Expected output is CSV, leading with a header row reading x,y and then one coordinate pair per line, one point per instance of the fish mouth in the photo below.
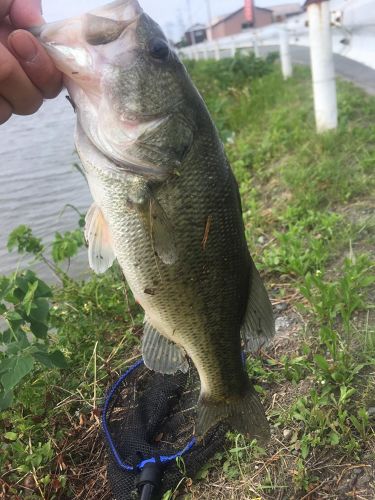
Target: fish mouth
x,y
70,42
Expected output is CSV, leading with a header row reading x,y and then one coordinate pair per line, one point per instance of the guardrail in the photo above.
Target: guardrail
x,y
345,27
352,28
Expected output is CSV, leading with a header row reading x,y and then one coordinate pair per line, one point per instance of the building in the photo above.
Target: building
x,y
236,22
281,12
195,34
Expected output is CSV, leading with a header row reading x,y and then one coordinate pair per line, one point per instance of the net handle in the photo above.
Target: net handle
x,y
111,444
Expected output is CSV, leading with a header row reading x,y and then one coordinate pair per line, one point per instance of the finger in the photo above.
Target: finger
x,y
36,63
16,87
5,6
26,13
5,31
6,110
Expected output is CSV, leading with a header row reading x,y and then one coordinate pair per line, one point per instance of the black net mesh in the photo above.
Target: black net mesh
x,y
151,416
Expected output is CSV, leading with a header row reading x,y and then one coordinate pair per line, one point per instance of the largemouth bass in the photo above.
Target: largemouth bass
x,y
166,206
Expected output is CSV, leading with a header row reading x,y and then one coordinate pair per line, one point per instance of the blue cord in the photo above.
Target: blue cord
x,y
112,447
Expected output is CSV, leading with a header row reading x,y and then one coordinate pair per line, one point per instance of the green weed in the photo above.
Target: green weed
x,y
294,186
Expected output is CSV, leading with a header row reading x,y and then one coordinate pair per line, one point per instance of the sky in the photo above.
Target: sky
x,y
172,15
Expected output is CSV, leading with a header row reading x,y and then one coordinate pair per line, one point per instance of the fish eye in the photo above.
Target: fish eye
x,y
159,48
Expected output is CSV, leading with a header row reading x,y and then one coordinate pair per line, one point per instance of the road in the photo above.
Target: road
x,y
359,74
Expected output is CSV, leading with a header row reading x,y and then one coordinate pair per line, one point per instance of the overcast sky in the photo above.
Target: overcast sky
x,y
172,15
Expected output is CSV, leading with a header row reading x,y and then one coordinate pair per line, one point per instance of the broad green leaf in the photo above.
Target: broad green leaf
x,y
28,300
54,359
6,336
5,365
40,330
305,448
23,281
12,436
40,310
58,359
16,347
14,316
6,399
321,362
19,367
43,358
334,438
5,287
22,237
14,319
43,290
354,420
65,247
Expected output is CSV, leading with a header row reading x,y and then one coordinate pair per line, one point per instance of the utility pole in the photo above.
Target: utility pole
x,y
192,34
180,23
209,16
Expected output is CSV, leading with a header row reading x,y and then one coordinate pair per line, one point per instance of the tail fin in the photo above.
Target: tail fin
x,y
245,415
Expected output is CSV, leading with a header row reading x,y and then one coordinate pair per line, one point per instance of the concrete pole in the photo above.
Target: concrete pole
x,y
191,22
256,46
322,67
286,61
209,18
217,51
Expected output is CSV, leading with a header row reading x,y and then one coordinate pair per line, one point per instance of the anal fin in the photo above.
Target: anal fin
x,y
100,251
258,326
160,354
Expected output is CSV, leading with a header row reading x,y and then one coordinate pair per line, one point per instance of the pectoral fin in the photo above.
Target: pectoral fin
x,y
162,233
258,326
159,227
160,354
101,255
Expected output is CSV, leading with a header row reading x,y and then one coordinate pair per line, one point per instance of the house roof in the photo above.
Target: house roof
x,y
286,9
196,27
228,16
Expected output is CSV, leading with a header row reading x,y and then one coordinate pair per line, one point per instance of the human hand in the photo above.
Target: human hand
x,y
27,73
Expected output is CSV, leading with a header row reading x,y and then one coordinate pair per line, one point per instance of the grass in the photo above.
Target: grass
x,y
308,218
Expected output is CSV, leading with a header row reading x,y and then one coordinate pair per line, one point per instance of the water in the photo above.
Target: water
x,y
37,179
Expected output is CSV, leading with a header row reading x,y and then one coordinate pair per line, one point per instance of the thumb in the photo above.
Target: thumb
x,y
26,13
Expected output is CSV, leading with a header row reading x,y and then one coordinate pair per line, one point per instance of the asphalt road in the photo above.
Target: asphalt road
x,y
359,74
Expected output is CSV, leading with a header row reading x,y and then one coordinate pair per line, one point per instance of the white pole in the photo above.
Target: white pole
x,y
192,33
286,61
209,17
256,46
323,71
217,51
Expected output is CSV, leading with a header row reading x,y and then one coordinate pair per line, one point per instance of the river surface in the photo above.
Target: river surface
x,y
38,179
